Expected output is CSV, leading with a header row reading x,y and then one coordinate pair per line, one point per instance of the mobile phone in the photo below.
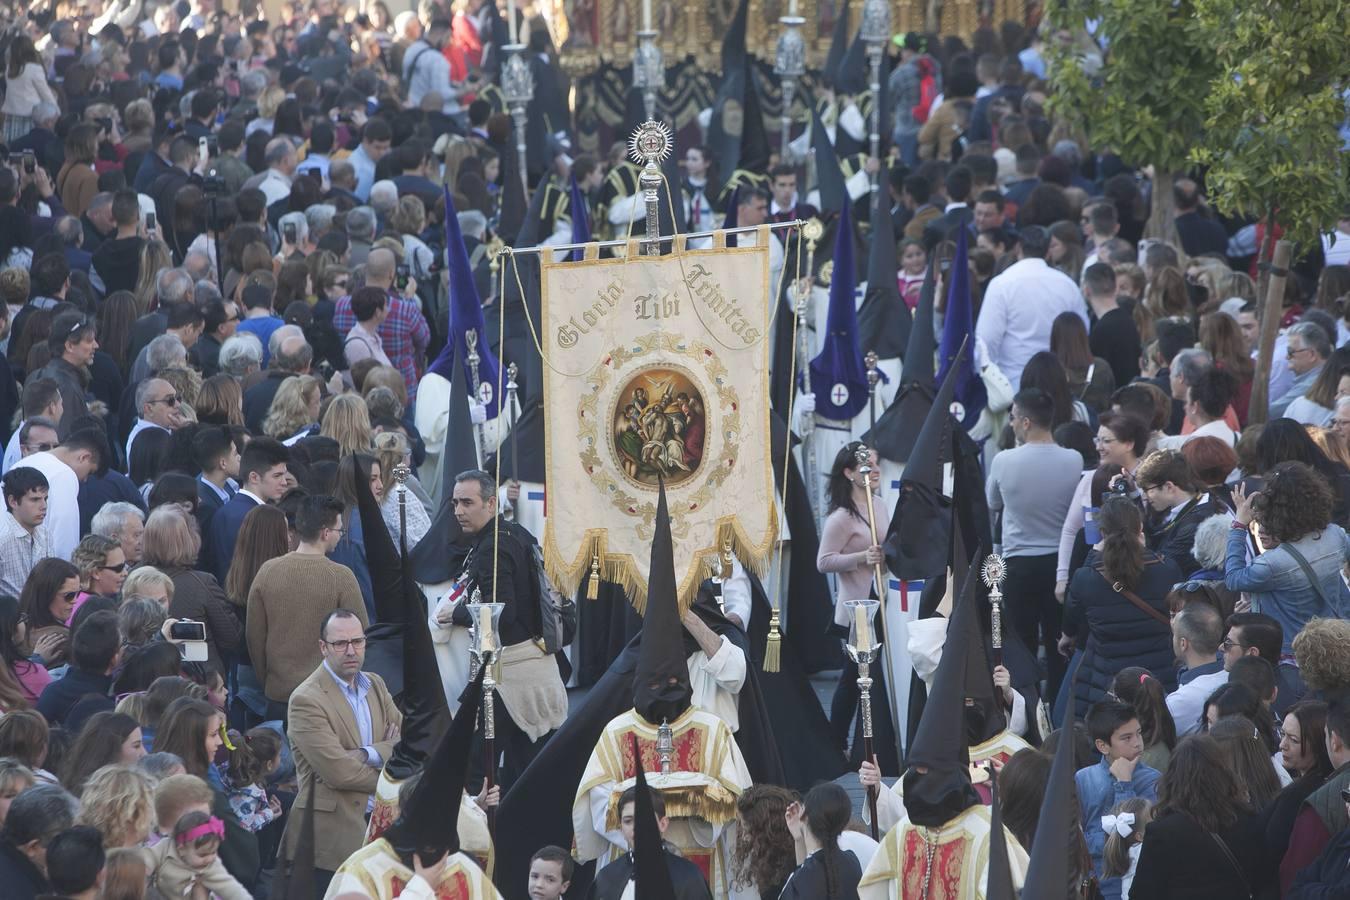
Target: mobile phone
x,y
288,232
187,630
149,221
29,162
401,278
203,148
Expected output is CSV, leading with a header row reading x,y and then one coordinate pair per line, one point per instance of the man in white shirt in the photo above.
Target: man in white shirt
x,y
1020,306
1197,632
41,400
81,454
1336,244
23,540
1207,400
281,160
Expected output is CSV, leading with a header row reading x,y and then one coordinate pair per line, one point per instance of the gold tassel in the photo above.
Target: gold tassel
x,y
593,583
726,560
773,649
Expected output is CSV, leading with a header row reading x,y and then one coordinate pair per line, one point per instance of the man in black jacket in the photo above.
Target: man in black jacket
x,y
35,817
95,650
611,881
1199,235
1177,506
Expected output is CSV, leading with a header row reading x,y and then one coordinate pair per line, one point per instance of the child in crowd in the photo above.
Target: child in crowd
x,y
1117,777
255,756
913,268
550,873
189,865
175,797
1124,826
15,778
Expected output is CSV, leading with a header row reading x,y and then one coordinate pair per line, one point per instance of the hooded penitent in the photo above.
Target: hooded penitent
x,y
838,376
1000,883
943,791
918,544
661,688
431,558
428,824
466,310
884,321
958,326
895,431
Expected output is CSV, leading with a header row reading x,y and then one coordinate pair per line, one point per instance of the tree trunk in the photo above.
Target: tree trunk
x,y
1259,408
1162,214
1263,257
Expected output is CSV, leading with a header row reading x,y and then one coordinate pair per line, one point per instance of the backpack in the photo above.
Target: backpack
x,y
558,614
928,91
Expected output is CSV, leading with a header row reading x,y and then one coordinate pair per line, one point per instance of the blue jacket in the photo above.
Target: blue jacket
x,y
218,547
1278,586
1098,794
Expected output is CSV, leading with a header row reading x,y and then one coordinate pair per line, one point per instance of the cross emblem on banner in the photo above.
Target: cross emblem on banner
x,y
839,395
484,392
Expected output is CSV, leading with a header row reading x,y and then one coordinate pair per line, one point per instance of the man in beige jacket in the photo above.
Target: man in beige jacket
x,y
343,725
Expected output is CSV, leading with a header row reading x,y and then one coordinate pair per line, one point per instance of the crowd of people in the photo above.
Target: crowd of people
x,y
228,347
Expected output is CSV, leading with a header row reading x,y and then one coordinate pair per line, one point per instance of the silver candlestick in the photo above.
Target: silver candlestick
x,y
649,70
665,746
518,90
789,64
994,571
875,31
472,357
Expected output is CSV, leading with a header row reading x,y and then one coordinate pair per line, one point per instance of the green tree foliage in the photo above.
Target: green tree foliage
x,y
1146,101
1271,144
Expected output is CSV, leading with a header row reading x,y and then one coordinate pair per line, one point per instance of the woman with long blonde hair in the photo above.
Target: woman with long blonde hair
x,y
347,422
155,257
220,401
295,409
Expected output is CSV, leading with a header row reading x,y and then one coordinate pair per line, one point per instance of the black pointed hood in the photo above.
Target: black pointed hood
x,y
944,790
755,145
529,432
918,543
513,204
986,718
725,143
429,821
839,39
402,606
895,431
1000,883
430,558
651,877
1048,868
829,177
884,321
661,682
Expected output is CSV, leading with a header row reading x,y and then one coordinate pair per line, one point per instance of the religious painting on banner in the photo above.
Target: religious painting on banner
x,y
657,371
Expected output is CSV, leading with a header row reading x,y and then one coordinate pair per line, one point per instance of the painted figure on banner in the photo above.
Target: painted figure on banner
x,y
659,429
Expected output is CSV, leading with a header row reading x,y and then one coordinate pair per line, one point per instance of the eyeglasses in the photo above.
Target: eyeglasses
x,y
1228,644
344,646
340,531
1104,440
120,567
39,448
1291,352
171,400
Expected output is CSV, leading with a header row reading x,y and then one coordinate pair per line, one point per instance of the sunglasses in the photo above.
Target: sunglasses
x,y
120,567
39,448
69,596
171,400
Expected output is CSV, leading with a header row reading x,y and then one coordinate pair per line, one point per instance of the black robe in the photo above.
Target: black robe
x,y
684,876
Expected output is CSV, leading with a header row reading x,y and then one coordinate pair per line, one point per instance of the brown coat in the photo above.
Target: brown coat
x,y
922,217
77,183
332,783
940,132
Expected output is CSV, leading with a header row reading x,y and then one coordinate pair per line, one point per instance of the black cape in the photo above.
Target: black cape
x,y
613,878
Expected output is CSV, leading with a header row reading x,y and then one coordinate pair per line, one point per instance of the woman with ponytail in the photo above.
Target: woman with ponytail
x,y
824,872
1137,687
1117,606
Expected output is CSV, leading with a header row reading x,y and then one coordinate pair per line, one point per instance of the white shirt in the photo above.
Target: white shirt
x,y
1218,428
1019,309
63,501
1187,702
715,681
1336,248
141,425
275,186
1306,412
13,453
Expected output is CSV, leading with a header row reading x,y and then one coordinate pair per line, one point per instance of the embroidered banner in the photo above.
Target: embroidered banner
x,y
658,368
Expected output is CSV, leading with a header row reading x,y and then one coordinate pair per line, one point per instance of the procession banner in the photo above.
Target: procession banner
x,y
657,368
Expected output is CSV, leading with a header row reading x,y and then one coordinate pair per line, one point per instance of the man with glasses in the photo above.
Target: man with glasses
x,y
41,400
159,416
222,320
342,724
292,594
23,540
1175,507
1307,351
1257,634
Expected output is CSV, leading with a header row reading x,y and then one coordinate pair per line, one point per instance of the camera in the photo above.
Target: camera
x,y
325,369
288,232
29,162
149,221
213,183
1119,487
401,276
187,630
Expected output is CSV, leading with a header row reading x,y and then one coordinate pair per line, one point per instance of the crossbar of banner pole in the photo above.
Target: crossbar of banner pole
x,y
745,229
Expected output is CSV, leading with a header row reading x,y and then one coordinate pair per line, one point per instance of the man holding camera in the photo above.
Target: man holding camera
x,y
1176,506
404,332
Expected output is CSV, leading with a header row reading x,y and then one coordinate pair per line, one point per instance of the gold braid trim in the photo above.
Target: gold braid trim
x,y
712,803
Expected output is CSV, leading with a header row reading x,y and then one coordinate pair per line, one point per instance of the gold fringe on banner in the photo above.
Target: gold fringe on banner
x,y
711,802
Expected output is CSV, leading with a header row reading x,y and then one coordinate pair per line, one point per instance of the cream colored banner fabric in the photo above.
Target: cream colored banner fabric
x,y
657,368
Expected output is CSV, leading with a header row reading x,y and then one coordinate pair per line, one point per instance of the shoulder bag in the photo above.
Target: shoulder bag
x,y
1237,867
1134,598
